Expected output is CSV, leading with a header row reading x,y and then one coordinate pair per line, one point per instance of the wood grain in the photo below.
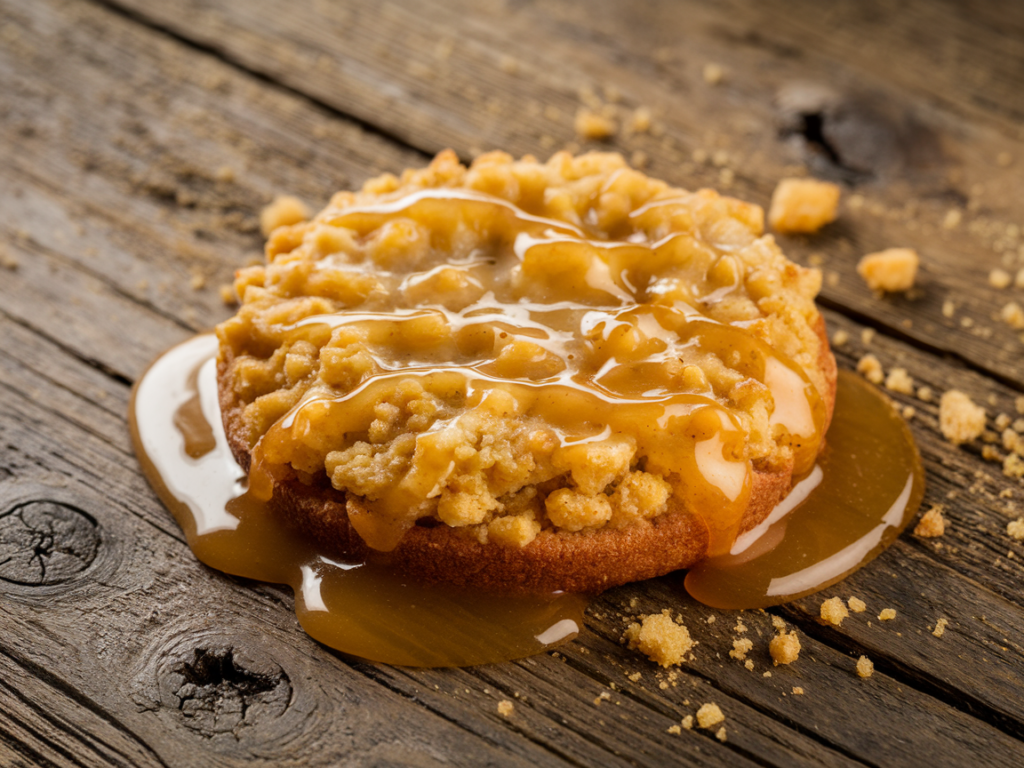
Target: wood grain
x,y
118,648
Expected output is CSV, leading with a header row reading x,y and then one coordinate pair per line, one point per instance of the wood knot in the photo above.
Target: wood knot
x,y
219,691
854,137
46,542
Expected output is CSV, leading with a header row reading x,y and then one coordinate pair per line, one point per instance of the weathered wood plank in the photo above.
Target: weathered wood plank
x,y
112,628
57,729
503,75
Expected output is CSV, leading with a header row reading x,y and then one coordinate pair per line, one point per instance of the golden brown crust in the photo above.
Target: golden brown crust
x,y
585,561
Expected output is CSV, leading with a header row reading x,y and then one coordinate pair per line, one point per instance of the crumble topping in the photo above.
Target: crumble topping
x,y
401,341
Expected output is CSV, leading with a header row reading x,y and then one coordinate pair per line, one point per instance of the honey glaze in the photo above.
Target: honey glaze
x,y
865,489
360,609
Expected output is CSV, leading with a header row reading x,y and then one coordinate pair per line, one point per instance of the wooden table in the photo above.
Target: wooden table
x,y
140,139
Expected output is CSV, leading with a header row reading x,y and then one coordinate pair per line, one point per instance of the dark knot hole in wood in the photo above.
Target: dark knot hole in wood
x,y
219,692
46,542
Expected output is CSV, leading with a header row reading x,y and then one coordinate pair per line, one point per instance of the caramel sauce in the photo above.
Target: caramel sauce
x,y
584,338
358,608
866,488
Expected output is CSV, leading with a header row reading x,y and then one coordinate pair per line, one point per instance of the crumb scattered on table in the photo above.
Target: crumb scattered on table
x,y
660,638
999,278
857,605
1012,315
594,126
505,708
940,627
887,614
865,667
283,211
899,381
959,418
713,73
871,369
833,611
740,648
892,270
931,524
784,648
709,715
803,205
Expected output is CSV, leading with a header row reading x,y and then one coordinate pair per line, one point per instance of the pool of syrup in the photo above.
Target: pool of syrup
x,y
864,490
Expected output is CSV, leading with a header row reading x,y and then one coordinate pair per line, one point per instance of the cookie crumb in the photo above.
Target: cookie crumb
x,y
887,614
740,648
594,126
749,664
840,338
784,648
798,691
709,715
999,278
767,674
1012,315
925,394
803,205
713,73
948,309
940,627
857,605
959,418
283,211
870,368
909,412
833,611
674,729
1016,529
635,677
931,524
865,667
720,734
7,259
660,639
892,270
228,295
1013,466
603,696
899,381
505,708
688,722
